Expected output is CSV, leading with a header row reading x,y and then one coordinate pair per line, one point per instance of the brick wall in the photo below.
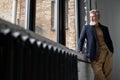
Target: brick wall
x,y
21,12
6,9
43,18
70,33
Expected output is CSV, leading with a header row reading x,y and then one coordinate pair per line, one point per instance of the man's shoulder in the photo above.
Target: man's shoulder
x,y
87,26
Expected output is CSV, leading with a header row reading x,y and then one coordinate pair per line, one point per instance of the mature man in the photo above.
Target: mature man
x,y
99,46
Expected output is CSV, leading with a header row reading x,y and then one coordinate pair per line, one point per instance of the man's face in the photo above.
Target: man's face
x,y
94,19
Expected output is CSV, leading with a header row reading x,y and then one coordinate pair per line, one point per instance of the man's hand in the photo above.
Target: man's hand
x,y
80,52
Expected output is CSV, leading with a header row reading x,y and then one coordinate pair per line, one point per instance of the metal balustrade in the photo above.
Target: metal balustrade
x,y
25,55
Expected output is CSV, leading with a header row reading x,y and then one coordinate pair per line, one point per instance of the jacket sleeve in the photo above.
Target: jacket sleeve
x,y
81,39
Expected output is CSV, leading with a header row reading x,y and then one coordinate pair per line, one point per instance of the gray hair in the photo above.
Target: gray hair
x,y
94,11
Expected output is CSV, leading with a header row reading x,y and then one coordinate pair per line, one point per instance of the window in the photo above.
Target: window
x,y
52,15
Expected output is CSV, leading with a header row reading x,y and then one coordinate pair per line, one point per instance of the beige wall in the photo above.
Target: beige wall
x,y
70,36
6,9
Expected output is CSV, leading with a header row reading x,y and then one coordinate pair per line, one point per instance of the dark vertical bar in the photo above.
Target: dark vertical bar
x,y
52,66
18,57
61,37
60,65
27,61
9,57
82,13
67,66
5,71
37,67
90,4
42,63
55,60
47,57
71,67
77,7
32,13
1,54
74,67
49,65
34,62
14,58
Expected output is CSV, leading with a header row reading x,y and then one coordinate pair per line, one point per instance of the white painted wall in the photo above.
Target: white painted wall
x,y
110,16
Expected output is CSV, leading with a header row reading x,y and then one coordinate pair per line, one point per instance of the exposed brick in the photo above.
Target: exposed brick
x,y
43,19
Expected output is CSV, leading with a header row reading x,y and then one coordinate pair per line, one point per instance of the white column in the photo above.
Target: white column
x,y
14,11
56,17
76,22
27,14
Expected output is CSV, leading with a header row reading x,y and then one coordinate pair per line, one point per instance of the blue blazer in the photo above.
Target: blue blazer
x,y
88,32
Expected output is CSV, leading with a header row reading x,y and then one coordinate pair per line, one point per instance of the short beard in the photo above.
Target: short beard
x,y
93,23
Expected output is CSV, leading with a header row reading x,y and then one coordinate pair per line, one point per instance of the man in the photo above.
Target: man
x,y
99,46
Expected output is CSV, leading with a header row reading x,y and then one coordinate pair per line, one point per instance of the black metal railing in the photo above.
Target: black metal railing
x,y
27,56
